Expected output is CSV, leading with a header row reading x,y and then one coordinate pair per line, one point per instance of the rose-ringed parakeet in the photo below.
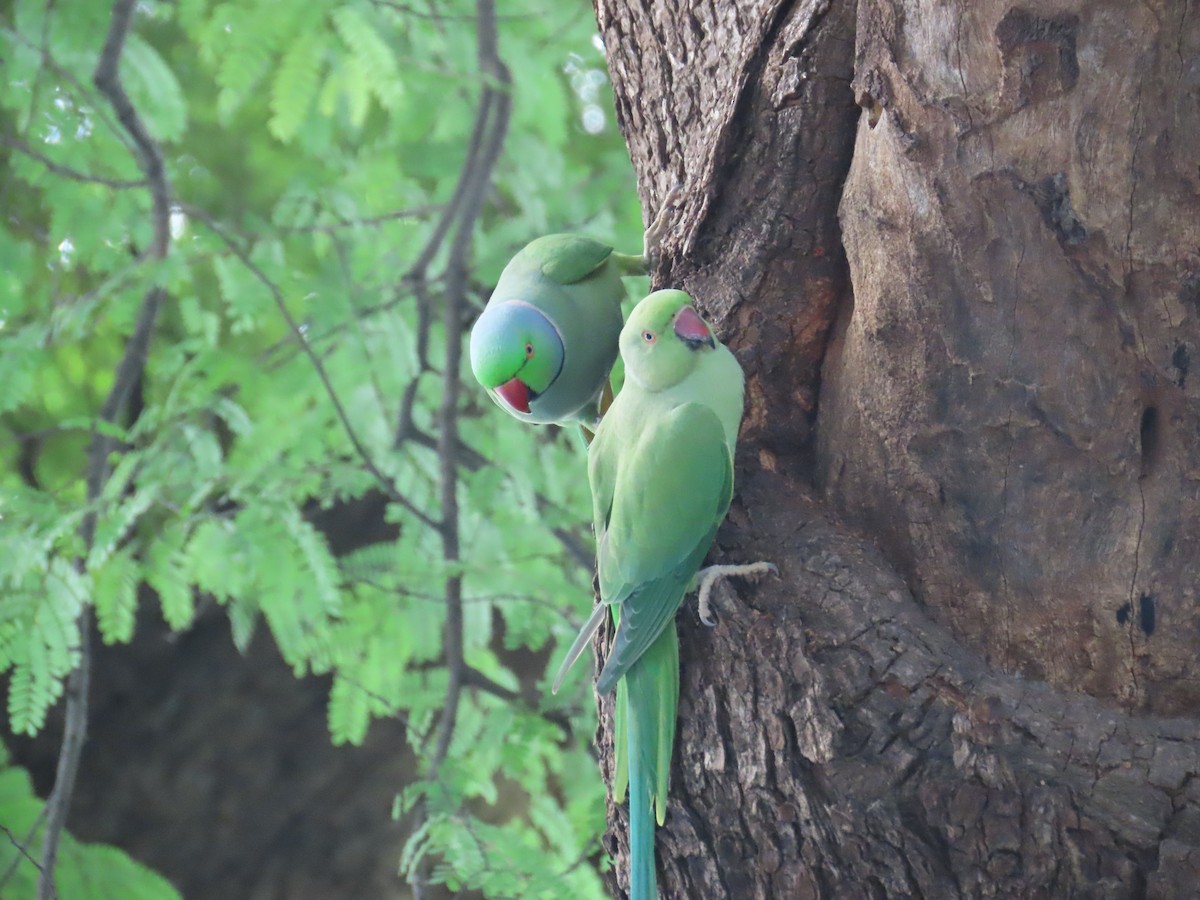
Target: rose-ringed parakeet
x,y
661,473
547,339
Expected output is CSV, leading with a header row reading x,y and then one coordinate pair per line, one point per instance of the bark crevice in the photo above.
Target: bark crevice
x,y
937,699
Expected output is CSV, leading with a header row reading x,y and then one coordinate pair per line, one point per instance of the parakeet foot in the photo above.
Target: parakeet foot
x,y
653,234
706,578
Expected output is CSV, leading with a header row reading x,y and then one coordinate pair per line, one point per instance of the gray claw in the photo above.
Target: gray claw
x,y
654,233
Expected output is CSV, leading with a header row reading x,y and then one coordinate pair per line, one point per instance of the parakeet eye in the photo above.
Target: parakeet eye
x,y
528,350
649,337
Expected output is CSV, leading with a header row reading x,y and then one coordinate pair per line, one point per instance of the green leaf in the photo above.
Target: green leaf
x,y
115,586
101,872
20,355
248,299
295,84
49,615
165,572
307,141
115,525
349,712
84,871
153,89
374,62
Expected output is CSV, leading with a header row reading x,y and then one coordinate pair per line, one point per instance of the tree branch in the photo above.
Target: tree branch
x,y
404,426
467,184
491,124
277,294
15,143
108,82
473,678
488,136
416,212
129,370
22,849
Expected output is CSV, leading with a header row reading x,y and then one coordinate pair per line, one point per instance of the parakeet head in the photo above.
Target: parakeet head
x,y
516,353
663,340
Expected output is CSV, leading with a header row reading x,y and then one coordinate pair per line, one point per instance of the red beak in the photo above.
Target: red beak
x,y
691,329
515,393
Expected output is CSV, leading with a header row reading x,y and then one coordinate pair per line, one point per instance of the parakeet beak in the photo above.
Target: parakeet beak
x,y
690,329
515,393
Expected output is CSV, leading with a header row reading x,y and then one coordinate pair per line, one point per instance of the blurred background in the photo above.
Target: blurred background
x,y
316,585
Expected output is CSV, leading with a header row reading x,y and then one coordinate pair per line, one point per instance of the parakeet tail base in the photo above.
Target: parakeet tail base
x,y
651,700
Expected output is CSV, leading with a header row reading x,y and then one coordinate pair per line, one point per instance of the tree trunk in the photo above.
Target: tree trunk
x,y
970,441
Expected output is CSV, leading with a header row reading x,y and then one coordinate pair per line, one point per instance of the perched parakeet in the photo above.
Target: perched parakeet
x,y
661,473
546,342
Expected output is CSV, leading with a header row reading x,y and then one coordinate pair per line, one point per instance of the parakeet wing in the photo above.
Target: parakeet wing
x,y
571,257
667,498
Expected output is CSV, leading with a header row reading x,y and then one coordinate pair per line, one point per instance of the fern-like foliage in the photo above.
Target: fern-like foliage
x,y
308,156
153,87
295,84
39,640
84,872
371,67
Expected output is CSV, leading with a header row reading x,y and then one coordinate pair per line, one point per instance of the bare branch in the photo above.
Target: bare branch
x,y
417,276
24,149
22,849
416,212
108,81
473,678
491,124
132,363
277,294
404,426
129,370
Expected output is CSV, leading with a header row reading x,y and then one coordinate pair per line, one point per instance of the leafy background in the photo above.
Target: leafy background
x,y
315,287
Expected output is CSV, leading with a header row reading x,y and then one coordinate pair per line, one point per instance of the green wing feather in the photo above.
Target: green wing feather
x,y
647,570
653,532
568,258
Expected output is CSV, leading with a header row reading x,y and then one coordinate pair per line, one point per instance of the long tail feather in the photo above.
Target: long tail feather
x,y
643,882
581,640
621,742
652,698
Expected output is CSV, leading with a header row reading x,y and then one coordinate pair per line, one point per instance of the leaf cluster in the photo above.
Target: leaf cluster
x,y
85,872
296,370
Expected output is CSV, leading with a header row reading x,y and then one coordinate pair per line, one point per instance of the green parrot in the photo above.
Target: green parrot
x,y
661,473
547,339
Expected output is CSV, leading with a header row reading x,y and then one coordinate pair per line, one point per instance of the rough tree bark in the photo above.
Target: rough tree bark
x,y
970,442
955,246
